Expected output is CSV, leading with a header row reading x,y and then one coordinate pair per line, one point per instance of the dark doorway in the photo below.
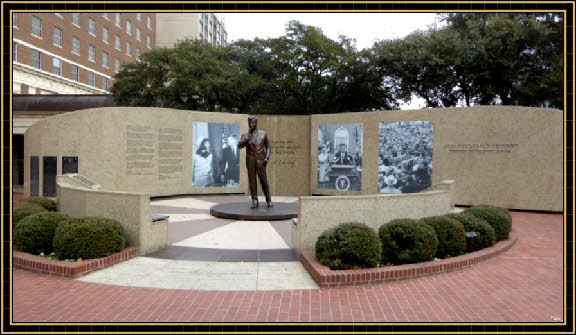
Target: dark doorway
x,y
18,160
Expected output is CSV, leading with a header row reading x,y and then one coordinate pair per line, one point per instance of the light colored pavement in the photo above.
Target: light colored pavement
x,y
233,237
194,275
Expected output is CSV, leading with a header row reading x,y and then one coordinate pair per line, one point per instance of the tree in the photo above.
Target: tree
x,y
515,58
477,58
302,72
423,63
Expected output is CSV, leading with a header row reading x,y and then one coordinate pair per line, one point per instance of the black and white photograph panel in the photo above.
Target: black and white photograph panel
x,y
216,159
340,156
405,156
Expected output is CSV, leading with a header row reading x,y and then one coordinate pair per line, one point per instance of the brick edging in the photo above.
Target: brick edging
x,y
325,277
29,262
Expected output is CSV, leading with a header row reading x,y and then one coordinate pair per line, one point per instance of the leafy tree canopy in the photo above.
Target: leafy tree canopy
x,y
476,58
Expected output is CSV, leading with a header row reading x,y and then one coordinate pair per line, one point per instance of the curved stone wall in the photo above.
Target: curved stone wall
x,y
502,155
318,214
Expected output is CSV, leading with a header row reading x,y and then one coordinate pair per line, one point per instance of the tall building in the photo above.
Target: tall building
x,y
173,27
76,53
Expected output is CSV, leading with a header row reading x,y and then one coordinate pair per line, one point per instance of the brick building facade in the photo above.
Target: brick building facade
x,y
76,53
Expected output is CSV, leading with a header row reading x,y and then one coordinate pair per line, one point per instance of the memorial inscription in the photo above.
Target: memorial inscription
x,y
170,153
285,152
140,150
481,147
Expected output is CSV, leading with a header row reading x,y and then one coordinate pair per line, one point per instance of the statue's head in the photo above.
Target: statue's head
x,y
252,122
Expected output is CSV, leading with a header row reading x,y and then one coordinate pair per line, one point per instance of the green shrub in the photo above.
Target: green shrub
x,y
349,245
407,241
47,204
497,217
88,237
485,235
451,235
35,233
22,209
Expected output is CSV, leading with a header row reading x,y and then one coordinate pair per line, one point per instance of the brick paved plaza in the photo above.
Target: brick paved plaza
x,y
523,285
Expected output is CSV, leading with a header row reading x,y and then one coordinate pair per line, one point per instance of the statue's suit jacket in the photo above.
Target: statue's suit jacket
x,y
256,147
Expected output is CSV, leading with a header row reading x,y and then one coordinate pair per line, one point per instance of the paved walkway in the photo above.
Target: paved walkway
x,y
523,285
208,253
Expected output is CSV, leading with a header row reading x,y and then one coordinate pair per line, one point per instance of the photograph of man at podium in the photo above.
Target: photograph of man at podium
x,y
340,156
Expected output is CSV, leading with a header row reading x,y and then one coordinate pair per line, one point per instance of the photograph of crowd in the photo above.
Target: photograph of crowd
x,y
405,156
340,156
216,159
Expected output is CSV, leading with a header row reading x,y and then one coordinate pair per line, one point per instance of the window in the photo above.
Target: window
x,y
57,36
91,78
36,59
128,27
91,53
76,19
148,41
117,42
75,73
14,51
139,16
138,53
59,15
105,35
116,65
57,66
75,45
128,49
106,16
105,60
15,20
91,27
105,83
36,27
148,22
138,33
118,20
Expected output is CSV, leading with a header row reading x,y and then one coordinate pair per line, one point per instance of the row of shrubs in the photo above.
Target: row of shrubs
x,y
46,232
404,241
22,208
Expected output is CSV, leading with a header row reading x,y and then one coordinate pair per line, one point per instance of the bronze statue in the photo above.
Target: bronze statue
x,y
257,155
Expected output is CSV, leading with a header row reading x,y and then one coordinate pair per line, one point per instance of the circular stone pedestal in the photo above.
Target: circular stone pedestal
x,y
242,211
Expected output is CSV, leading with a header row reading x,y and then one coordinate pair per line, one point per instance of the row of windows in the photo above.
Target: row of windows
x,y
36,61
91,22
57,34
57,40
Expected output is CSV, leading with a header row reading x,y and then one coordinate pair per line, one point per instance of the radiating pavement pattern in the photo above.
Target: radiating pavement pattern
x,y
523,285
207,253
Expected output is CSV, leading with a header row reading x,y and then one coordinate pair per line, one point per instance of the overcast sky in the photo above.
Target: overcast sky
x,y
366,28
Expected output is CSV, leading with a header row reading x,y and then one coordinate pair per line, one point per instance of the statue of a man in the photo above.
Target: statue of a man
x,y
257,155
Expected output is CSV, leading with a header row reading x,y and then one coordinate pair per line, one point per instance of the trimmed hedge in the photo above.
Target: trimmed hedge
x,y
407,241
47,204
451,235
22,209
35,233
485,235
497,217
88,237
348,246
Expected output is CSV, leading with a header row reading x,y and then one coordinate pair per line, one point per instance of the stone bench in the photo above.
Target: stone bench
x,y
156,217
